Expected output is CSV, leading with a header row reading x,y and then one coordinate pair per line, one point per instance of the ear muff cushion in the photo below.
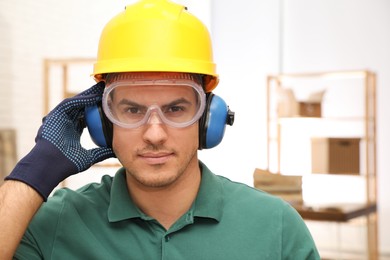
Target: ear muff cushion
x,y
202,122
98,126
213,123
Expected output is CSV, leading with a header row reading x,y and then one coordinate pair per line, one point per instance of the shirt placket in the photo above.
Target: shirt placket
x,y
168,240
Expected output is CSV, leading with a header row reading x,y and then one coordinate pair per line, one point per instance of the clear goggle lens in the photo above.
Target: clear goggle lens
x,y
131,104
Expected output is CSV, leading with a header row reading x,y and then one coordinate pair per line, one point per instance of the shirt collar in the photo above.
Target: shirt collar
x,y
121,205
208,202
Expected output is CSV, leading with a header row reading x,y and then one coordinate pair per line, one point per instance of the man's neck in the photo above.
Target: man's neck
x,y
166,204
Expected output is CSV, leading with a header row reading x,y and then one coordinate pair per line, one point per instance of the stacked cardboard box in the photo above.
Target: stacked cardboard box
x,y
286,187
336,155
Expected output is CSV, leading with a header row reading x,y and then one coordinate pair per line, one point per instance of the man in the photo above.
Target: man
x,y
155,78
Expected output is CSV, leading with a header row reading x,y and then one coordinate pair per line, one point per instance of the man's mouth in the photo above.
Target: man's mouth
x,y
154,158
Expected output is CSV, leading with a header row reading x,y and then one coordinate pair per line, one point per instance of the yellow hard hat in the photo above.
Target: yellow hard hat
x,y
156,35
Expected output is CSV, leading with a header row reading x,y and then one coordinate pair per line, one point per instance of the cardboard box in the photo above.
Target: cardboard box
x,y
286,187
309,109
289,106
336,155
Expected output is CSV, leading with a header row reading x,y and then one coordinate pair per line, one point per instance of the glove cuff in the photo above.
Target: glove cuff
x,y
42,169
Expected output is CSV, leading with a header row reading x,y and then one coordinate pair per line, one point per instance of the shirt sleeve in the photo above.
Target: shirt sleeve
x,y
297,240
37,241
28,249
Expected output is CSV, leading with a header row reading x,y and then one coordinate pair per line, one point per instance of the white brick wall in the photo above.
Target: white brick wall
x,y
31,31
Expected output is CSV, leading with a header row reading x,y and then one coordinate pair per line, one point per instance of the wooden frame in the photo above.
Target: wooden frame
x,y
64,65
8,155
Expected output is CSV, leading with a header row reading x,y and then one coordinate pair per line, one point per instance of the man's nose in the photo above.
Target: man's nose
x,y
155,131
154,118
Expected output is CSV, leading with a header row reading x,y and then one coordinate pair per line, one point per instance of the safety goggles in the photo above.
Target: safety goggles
x,y
133,102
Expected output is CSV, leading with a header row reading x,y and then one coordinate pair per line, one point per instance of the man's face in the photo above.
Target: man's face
x,y
155,154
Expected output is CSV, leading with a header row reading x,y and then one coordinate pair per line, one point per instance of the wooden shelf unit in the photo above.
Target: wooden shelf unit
x,y
275,125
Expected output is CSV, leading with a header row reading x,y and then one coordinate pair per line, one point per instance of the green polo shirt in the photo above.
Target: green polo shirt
x,y
228,220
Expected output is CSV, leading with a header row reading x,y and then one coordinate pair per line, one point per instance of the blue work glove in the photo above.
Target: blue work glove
x,y
58,153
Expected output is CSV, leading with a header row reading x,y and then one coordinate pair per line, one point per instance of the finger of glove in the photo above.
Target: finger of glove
x,y
67,142
87,98
63,126
72,106
71,111
95,89
84,159
100,154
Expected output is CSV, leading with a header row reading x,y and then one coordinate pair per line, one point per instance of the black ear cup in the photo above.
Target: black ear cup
x,y
99,127
213,122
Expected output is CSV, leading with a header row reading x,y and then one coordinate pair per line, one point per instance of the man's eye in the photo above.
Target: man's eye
x,y
133,110
176,109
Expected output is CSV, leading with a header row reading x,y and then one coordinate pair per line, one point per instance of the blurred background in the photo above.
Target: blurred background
x,y
252,39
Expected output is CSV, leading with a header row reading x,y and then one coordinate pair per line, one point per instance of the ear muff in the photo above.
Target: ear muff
x,y
213,122
99,127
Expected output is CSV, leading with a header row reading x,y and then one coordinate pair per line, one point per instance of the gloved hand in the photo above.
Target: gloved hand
x,y
58,153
